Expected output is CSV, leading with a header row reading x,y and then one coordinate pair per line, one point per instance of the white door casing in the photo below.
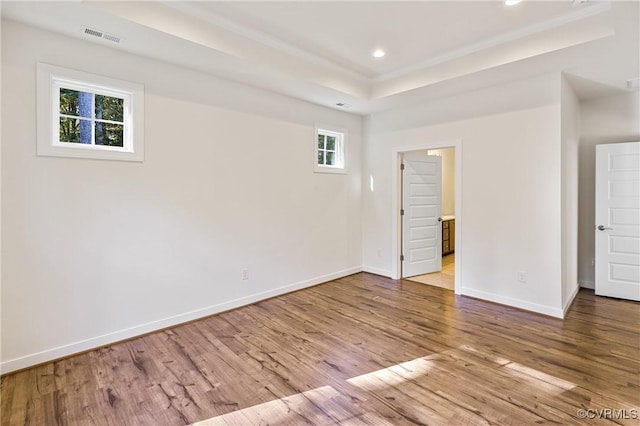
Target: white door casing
x,y
617,229
422,205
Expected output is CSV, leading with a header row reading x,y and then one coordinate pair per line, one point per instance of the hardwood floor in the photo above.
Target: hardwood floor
x,y
359,350
444,279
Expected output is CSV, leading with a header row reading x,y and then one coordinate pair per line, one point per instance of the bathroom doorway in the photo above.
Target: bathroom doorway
x,y
448,225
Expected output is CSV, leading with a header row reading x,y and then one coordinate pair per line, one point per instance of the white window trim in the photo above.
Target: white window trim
x,y
341,151
49,80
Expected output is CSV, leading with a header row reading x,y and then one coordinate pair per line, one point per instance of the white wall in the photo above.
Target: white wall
x,y
610,119
570,135
448,179
511,195
96,251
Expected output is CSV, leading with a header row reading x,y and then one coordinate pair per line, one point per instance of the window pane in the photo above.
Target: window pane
x,y
321,157
331,143
331,159
69,130
75,130
108,108
109,134
73,102
320,141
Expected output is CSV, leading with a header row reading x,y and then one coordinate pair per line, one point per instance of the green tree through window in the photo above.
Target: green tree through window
x,y
90,118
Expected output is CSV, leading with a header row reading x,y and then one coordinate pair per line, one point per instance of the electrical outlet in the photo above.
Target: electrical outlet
x,y
379,252
245,274
522,276
593,261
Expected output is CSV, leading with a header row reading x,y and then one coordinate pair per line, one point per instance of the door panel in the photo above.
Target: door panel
x,y
618,220
422,204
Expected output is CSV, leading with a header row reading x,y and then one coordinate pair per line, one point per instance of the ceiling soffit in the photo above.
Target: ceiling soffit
x,y
196,23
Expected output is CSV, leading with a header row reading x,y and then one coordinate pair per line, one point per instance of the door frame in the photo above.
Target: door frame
x,y
396,202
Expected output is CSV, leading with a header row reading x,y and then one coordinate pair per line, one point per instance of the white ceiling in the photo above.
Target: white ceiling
x,y
346,33
320,51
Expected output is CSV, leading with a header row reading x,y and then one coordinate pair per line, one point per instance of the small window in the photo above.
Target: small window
x,y
329,151
89,116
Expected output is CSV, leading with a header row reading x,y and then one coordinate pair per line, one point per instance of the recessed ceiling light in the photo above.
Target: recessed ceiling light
x,y
511,2
378,53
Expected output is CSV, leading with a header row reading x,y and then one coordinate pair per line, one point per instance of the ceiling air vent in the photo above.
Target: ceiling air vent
x,y
100,34
112,38
94,33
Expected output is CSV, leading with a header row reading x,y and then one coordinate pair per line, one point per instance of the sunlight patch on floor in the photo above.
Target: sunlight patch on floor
x,y
394,375
536,378
326,404
284,410
542,381
490,357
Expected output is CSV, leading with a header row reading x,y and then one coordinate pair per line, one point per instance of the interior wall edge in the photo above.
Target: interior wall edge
x,y
71,349
569,301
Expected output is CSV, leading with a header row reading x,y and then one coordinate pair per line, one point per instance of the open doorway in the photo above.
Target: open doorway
x,y
449,229
444,277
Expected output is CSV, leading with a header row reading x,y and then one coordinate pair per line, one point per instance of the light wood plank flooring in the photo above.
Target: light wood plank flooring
x,y
444,278
362,350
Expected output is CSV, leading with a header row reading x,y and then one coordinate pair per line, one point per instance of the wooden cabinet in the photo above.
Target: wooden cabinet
x,y
448,236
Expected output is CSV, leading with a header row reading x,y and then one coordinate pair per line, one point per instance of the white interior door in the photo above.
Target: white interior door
x,y
618,220
422,205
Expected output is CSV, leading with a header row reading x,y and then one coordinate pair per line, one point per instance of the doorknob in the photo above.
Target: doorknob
x,y
603,228
439,219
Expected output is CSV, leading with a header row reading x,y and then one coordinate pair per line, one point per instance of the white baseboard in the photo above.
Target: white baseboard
x,y
588,284
116,336
377,271
516,303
